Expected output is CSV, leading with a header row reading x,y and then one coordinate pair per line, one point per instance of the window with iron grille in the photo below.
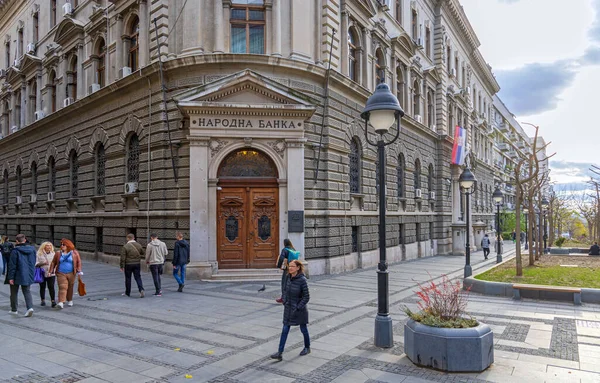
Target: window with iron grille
x,y
354,166
74,168
100,170
354,239
401,234
99,240
400,176
34,178
51,175
133,159
19,181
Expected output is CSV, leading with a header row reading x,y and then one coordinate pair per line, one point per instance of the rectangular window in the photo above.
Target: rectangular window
x,y
73,233
355,239
401,234
33,238
418,234
36,29
248,27
51,234
99,240
52,13
414,25
428,42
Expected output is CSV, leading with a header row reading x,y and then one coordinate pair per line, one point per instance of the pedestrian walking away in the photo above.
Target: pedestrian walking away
x,y
131,254
514,236
156,253
181,257
66,264
288,254
295,312
6,248
21,269
45,255
485,245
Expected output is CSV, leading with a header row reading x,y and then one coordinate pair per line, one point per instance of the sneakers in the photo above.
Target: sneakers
x,y
277,356
43,303
305,351
158,294
29,313
142,294
70,304
53,304
279,300
13,312
60,305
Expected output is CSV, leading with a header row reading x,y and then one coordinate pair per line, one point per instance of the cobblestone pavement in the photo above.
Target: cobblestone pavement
x,y
224,332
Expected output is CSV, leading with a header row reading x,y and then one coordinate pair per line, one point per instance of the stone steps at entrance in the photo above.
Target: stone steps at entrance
x,y
246,275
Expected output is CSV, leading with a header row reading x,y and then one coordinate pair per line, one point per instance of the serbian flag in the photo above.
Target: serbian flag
x,y
459,148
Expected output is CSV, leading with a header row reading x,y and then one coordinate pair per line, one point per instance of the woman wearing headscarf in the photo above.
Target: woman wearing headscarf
x,y
66,265
45,255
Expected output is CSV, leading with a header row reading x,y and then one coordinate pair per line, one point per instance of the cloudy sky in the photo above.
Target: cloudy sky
x,y
546,57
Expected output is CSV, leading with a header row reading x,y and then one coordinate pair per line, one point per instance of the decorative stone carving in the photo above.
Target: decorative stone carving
x,y
278,146
469,74
248,141
216,146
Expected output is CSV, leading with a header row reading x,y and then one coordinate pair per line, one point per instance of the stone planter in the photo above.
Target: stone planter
x,y
449,349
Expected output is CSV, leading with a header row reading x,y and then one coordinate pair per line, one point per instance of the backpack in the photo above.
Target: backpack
x,y
293,255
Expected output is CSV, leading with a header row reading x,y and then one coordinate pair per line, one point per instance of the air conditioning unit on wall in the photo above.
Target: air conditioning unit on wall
x,y
419,118
125,71
131,187
68,101
19,200
431,195
51,196
67,9
31,48
418,193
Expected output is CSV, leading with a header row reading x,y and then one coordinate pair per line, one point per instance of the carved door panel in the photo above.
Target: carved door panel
x,y
263,227
232,217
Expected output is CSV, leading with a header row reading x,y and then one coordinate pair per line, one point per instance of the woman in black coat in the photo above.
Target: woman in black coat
x,y
295,313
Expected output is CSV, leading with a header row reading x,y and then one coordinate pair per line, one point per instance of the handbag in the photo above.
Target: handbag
x,y
38,276
80,287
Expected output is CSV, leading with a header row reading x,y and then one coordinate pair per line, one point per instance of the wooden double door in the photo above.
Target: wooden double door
x,y
248,227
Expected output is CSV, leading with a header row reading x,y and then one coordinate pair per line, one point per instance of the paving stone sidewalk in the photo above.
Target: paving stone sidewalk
x,y
224,332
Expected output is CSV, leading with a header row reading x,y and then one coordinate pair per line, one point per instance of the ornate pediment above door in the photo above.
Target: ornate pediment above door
x,y
246,102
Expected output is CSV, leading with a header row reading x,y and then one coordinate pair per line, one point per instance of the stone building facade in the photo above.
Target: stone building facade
x,y
257,136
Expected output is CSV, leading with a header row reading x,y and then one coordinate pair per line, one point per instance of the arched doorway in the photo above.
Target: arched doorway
x,y
247,211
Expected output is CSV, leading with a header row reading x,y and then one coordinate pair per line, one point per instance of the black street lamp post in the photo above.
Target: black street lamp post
x,y
498,196
381,111
545,205
467,181
526,211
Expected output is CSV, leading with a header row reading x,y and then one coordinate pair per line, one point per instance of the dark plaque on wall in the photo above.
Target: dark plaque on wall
x,y
296,221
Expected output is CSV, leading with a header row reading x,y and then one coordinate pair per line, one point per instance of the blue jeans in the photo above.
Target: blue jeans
x,y
179,274
286,331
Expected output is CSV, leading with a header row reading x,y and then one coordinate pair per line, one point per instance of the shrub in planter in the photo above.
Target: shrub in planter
x,y
441,335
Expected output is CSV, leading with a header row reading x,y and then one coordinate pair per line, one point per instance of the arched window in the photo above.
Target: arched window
x,y
400,86
417,174
74,172
379,67
247,163
5,187
400,176
355,165
51,174
430,185
52,88
430,109
353,54
34,178
416,99
72,78
134,47
100,168
133,159
6,113
100,62
19,190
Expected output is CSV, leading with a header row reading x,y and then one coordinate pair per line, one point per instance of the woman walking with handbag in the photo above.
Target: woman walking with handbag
x,y
295,313
45,255
66,264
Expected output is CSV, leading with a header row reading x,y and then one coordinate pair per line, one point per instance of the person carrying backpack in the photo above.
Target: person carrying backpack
x,y
288,254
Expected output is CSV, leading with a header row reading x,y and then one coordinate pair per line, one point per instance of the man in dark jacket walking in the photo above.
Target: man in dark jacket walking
x,y
181,257
485,245
131,254
21,269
